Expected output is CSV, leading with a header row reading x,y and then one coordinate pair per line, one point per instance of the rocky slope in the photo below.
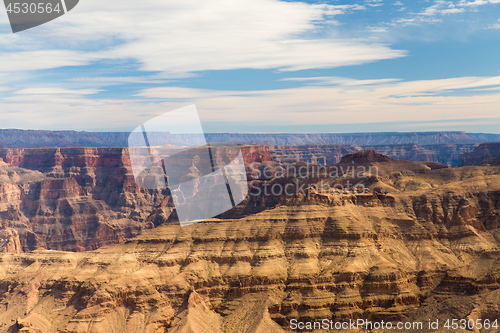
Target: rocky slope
x,y
314,154
78,199
73,199
441,147
360,139
419,242
485,153
13,138
447,154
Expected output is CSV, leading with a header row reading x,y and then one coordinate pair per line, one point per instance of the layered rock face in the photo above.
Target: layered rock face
x,y
487,153
315,154
13,138
418,242
74,199
79,199
441,147
447,154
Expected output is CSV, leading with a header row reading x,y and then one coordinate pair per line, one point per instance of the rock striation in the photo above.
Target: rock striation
x,y
328,148
485,153
14,138
74,199
447,154
421,241
79,199
314,154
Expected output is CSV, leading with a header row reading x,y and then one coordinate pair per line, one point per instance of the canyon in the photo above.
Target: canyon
x,y
485,153
327,148
414,241
78,199
447,154
15,138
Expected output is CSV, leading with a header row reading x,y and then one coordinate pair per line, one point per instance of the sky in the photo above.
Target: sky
x,y
258,66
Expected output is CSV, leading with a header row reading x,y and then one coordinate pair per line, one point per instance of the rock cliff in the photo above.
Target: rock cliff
x,y
420,241
14,138
327,148
74,199
79,199
485,153
447,154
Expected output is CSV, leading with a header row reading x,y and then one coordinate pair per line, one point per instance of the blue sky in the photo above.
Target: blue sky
x,y
258,66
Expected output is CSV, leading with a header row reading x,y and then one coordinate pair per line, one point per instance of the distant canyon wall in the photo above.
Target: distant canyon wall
x,y
486,153
447,154
442,147
13,138
424,247
79,199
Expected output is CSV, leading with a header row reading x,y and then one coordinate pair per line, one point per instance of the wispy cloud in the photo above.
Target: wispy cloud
x,y
176,40
327,100
475,3
442,7
340,81
435,13
495,26
374,3
42,59
55,91
114,80
181,37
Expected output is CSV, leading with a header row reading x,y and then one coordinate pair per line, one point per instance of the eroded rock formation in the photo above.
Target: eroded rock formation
x,y
421,241
486,153
79,199
447,154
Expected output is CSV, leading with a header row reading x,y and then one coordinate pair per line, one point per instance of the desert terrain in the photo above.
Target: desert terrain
x,y
86,250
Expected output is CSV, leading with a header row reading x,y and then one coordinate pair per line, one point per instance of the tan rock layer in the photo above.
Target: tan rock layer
x,y
373,258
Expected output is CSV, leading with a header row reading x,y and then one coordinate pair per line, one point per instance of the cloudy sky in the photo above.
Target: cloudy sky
x,y
258,66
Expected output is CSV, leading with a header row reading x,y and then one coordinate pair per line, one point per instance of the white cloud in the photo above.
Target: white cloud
x,y
415,21
5,89
188,93
55,91
477,3
329,100
36,60
347,101
452,11
495,26
340,81
442,7
435,12
377,29
374,3
180,36
115,80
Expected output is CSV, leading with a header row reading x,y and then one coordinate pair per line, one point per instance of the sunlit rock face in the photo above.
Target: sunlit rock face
x,y
78,199
421,241
486,153
75,199
447,154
